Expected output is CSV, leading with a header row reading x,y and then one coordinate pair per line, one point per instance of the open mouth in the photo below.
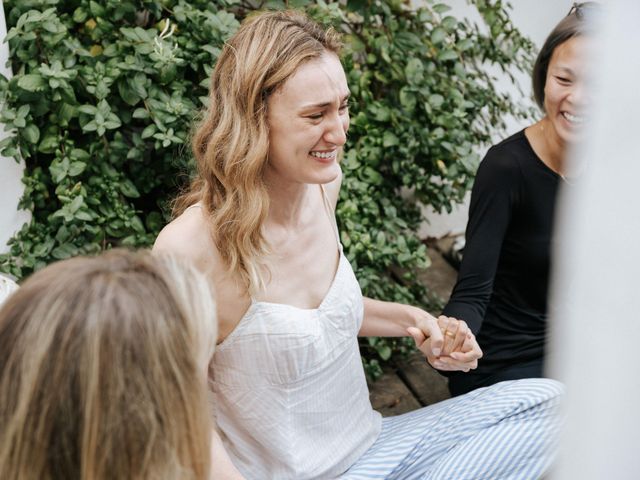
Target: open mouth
x,y
324,155
573,119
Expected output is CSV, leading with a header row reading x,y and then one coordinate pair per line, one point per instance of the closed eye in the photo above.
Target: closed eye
x,y
563,80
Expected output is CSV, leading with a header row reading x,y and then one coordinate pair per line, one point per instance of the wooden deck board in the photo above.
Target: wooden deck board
x,y
390,396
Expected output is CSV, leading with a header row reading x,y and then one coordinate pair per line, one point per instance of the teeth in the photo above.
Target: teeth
x,y
573,118
324,154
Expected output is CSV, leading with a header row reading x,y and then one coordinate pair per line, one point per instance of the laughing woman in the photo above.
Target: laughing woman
x,y
503,282
290,391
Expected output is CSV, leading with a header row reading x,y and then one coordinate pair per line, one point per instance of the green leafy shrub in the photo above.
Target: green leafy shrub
x,y
104,95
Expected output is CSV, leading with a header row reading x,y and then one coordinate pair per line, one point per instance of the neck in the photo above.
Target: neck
x,y
550,148
287,201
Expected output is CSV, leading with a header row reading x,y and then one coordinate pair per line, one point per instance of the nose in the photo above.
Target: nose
x,y
336,129
580,94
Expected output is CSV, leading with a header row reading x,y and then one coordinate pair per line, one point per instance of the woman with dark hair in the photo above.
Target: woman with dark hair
x,y
503,281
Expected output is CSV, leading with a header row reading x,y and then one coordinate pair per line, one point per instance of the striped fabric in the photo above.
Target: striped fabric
x,y
506,431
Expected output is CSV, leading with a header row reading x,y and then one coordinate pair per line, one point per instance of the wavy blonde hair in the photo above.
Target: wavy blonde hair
x,y
231,144
103,371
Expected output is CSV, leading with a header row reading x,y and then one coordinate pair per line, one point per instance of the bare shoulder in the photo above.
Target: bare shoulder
x,y
189,236
333,189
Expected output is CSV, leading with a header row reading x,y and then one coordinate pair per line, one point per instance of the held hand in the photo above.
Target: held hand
x,y
449,346
454,333
464,359
427,335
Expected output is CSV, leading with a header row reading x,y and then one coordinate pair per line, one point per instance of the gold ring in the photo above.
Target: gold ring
x,y
450,334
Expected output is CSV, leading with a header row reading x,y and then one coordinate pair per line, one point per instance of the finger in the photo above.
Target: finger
x,y
448,327
417,335
469,343
466,356
461,336
450,364
437,340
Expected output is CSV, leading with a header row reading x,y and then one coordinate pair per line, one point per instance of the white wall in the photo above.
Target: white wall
x,y
596,316
535,19
11,187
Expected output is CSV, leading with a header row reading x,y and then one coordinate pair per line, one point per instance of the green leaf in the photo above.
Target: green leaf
x,y
66,250
438,35
32,83
149,131
49,143
31,133
76,204
436,100
384,351
389,139
441,8
445,55
128,189
76,168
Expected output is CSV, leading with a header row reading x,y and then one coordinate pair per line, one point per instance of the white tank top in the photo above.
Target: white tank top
x,y
290,393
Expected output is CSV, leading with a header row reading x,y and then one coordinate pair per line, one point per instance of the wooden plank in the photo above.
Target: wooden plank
x,y
426,384
390,396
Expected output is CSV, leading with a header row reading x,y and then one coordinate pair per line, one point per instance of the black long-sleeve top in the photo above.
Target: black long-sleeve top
x,y
502,286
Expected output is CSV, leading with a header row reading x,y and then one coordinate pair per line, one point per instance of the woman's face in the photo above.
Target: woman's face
x,y
308,121
565,98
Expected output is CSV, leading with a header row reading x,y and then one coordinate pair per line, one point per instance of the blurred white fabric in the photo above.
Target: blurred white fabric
x,y
595,317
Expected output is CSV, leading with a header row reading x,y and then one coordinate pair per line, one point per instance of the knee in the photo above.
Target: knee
x,y
541,389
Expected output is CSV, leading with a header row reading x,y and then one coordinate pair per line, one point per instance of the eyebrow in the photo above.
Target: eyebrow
x,y
565,70
325,104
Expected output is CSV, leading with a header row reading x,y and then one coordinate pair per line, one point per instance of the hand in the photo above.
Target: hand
x,y
463,349
427,334
454,333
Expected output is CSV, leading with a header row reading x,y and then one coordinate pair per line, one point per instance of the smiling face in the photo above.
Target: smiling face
x,y
308,120
565,98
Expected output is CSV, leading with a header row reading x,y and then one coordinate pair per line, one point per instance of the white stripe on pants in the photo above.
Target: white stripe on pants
x,y
505,431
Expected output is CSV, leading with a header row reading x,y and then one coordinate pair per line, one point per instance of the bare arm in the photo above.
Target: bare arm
x,y
446,342
221,466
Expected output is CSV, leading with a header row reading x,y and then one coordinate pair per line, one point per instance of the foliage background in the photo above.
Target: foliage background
x,y
104,95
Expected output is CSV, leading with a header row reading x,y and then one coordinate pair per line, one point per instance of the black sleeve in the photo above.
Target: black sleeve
x,y
492,200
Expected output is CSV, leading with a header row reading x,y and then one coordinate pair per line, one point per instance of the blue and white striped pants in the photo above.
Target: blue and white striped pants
x,y
505,431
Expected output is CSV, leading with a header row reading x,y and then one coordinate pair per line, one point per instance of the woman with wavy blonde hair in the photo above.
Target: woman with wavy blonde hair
x,y
289,388
103,371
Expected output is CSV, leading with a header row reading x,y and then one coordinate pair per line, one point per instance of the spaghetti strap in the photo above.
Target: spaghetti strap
x,y
331,214
195,205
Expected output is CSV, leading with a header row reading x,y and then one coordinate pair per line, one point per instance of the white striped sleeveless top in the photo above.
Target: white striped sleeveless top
x,y
290,394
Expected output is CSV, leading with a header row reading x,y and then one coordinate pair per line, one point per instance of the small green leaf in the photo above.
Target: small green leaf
x,y
128,189
76,168
438,35
66,250
32,83
389,139
31,133
49,143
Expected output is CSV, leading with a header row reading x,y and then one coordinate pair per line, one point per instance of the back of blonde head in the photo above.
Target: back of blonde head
x,y
102,371
231,144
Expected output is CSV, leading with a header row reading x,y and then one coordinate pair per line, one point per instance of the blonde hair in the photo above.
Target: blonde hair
x,y
103,371
231,144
